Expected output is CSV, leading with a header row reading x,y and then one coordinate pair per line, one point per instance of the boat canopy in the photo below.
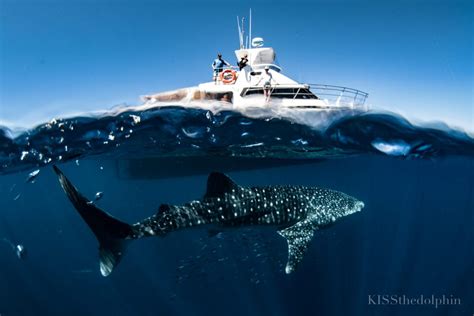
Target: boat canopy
x,y
259,57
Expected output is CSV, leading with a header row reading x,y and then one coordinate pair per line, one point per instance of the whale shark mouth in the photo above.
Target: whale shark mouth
x,y
357,208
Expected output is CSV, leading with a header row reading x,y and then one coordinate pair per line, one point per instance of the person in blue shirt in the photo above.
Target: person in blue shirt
x,y
218,66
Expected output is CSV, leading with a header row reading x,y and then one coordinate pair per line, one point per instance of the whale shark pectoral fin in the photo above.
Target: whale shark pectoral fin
x,y
218,184
298,237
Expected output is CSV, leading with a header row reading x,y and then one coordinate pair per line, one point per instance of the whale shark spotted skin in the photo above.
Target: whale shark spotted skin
x,y
294,211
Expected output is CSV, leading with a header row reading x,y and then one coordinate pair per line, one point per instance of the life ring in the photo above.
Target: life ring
x,y
228,76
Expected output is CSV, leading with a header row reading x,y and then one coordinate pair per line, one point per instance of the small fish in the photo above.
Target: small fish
x,y
98,196
32,176
20,251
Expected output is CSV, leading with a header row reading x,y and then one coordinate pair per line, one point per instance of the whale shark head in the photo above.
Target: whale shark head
x,y
352,205
333,205
325,208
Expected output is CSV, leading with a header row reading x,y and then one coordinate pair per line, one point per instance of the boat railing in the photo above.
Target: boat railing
x,y
254,67
339,94
336,95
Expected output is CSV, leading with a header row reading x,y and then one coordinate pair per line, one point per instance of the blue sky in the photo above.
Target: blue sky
x,y
56,57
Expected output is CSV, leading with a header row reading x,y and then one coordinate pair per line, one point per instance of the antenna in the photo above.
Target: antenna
x,y
250,26
241,37
243,31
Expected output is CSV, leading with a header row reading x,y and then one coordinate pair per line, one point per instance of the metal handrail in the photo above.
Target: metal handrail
x,y
343,96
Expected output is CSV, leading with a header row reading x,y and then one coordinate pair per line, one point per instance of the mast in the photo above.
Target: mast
x,y
250,28
241,36
243,32
245,41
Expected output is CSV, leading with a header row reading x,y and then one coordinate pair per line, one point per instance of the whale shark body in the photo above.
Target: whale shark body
x,y
294,211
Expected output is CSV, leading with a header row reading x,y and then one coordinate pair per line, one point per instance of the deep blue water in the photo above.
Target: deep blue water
x,y
414,237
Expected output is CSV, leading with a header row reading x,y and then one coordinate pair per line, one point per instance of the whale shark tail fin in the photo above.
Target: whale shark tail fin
x,y
112,234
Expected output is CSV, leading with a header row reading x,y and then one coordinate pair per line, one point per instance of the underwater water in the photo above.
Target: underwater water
x,y
414,236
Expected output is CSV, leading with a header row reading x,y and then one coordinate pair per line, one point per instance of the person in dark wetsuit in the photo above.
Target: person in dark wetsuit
x,y
243,62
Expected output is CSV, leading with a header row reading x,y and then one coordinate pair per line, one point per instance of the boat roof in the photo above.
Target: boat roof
x,y
259,57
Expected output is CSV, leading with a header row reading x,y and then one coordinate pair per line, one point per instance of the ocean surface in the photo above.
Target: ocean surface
x,y
409,252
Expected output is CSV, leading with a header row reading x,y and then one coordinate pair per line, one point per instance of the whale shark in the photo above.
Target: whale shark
x,y
295,212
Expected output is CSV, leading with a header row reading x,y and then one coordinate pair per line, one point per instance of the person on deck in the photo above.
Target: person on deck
x,y
267,78
218,66
243,62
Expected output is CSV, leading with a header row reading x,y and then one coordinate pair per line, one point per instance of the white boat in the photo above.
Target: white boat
x,y
240,89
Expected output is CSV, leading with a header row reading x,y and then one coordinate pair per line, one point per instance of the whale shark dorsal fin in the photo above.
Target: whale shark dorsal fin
x,y
218,184
298,237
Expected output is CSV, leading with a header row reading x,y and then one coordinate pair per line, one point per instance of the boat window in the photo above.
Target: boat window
x,y
305,94
284,93
252,91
